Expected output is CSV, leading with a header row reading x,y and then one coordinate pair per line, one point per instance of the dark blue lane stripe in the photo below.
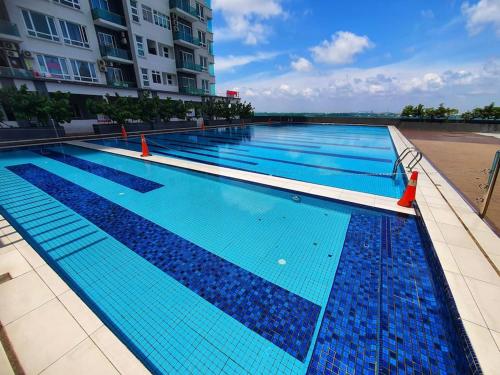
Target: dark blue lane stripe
x,y
382,160
342,145
198,153
123,178
280,316
176,143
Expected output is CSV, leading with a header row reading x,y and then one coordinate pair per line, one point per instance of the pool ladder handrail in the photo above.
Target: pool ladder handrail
x,y
417,156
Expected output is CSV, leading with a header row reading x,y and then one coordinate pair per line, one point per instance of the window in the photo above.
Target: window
x,y
53,66
145,77
151,47
147,13
114,75
74,34
203,39
134,10
205,85
187,58
99,4
161,19
169,79
40,25
83,71
200,11
106,40
166,52
156,76
204,63
71,3
140,45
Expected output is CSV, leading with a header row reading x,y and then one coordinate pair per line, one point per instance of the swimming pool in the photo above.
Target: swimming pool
x,y
202,274
359,158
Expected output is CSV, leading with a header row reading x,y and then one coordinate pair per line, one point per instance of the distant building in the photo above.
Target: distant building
x,y
96,47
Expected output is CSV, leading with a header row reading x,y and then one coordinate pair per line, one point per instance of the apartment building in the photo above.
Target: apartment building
x,y
96,47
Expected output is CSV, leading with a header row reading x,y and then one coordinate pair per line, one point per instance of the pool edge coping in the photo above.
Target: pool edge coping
x,y
448,218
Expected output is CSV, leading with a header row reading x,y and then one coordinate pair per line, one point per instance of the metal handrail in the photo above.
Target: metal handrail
x,y
417,156
492,179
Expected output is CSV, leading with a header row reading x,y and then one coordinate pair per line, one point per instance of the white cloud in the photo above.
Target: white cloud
x,y
427,13
383,88
302,65
246,19
229,63
481,15
342,49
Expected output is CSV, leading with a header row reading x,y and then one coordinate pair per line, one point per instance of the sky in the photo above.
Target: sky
x,y
358,55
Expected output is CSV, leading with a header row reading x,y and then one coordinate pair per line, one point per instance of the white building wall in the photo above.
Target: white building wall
x,y
36,45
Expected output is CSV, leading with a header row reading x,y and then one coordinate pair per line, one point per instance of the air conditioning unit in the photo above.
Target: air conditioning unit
x,y
9,45
102,65
27,54
12,53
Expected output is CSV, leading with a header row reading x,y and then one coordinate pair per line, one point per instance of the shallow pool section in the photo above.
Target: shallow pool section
x,y
201,274
359,158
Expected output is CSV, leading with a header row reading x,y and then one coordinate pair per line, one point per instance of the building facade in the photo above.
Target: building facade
x,y
92,48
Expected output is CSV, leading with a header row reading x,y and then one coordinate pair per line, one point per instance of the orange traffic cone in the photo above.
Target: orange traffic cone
x,y
124,132
145,149
409,194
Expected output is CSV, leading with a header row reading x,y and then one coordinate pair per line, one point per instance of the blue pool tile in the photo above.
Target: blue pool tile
x,y
123,178
284,318
386,313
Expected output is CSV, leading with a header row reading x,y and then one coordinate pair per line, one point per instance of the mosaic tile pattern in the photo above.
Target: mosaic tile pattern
x,y
385,314
123,178
284,318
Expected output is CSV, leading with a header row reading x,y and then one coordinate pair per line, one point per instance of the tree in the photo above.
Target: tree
x,y
180,109
148,108
119,109
246,110
407,111
166,109
60,108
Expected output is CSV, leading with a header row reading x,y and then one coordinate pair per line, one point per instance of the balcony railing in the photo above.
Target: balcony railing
x,y
9,28
185,6
178,35
211,49
192,91
189,65
115,52
108,16
123,84
6,71
211,70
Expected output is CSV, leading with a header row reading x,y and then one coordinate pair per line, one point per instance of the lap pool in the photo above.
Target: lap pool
x,y
203,274
359,158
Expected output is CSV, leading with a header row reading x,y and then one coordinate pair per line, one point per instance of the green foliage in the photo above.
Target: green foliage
x,y
31,105
148,108
180,109
431,113
166,109
223,108
119,109
489,112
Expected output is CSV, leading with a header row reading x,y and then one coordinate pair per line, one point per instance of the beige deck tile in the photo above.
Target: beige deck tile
x,y
13,263
5,366
455,235
84,359
42,336
472,263
445,257
487,297
117,353
52,279
84,315
496,337
445,215
30,254
21,295
464,300
7,249
485,347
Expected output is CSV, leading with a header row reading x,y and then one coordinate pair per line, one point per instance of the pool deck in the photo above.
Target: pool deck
x,y
39,308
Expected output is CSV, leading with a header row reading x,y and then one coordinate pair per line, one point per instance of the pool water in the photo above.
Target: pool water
x,y
359,158
202,274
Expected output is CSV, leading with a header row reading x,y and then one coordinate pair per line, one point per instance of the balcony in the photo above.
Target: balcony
x,y
105,18
211,49
211,70
192,91
121,84
116,54
184,9
189,66
8,72
186,40
9,31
